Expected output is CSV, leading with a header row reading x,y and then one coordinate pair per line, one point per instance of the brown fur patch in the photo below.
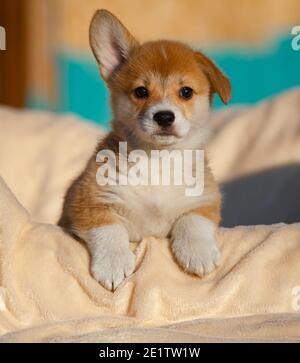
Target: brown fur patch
x,y
210,212
81,209
219,82
163,67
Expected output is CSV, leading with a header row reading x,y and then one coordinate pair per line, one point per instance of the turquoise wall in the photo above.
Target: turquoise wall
x,y
261,73
255,74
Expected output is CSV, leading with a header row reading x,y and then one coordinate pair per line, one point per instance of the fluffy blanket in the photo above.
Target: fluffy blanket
x,y
47,292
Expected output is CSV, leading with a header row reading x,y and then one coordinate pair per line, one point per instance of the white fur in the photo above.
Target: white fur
x,y
151,210
181,125
194,245
189,133
112,259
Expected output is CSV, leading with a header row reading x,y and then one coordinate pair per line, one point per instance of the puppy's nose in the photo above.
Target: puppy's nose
x,y
164,118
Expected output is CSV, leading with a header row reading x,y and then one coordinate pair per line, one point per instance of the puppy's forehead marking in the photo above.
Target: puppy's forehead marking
x,y
154,76
164,104
163,51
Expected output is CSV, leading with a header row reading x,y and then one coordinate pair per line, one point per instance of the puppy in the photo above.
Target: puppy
x,y
161,93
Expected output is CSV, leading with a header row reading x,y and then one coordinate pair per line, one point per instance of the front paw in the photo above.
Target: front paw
x,y
111,258
112,265
194,245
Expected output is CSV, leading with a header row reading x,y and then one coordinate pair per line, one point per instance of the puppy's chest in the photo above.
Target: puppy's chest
x,y
149,209
159,200
152,210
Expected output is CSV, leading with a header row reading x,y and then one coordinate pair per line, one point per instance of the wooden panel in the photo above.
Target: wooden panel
x,y
13,59
201,22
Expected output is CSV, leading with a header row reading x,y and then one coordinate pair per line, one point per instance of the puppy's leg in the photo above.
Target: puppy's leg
x,y
111,258
194,242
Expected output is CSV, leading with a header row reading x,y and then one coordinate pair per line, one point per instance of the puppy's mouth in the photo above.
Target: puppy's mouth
x,y
166,137
166,133
162,135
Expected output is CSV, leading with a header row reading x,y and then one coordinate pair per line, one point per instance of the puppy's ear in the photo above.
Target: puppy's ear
x,y
219,82
110,41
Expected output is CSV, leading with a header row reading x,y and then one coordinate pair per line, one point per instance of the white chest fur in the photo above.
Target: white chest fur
x,y
150,209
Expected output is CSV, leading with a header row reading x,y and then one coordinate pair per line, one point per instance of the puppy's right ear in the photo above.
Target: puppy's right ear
x,y
110,41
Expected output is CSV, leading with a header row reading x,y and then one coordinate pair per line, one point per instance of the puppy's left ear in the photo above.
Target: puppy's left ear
x,y
219,82
111,42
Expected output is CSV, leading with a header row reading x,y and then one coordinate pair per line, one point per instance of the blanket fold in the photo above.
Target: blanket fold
x,y
46,279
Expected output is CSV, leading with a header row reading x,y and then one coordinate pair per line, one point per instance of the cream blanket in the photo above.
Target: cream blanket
x,y
46,291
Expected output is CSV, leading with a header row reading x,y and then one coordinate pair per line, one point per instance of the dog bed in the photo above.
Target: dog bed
x,y
47,293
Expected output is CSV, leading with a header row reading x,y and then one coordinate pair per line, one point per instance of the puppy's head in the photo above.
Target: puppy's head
x,y
161,91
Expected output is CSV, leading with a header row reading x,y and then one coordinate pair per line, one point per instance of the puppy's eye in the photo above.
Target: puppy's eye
x,y
186,93
141,92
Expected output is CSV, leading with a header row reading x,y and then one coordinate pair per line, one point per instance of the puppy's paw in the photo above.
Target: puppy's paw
x,y
194,245
111,258
196,257
111,266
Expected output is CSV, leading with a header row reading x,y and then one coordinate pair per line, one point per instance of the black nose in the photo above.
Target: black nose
x,y
164,118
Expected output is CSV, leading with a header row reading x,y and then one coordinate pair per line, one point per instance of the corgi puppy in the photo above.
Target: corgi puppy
x,y
161,94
